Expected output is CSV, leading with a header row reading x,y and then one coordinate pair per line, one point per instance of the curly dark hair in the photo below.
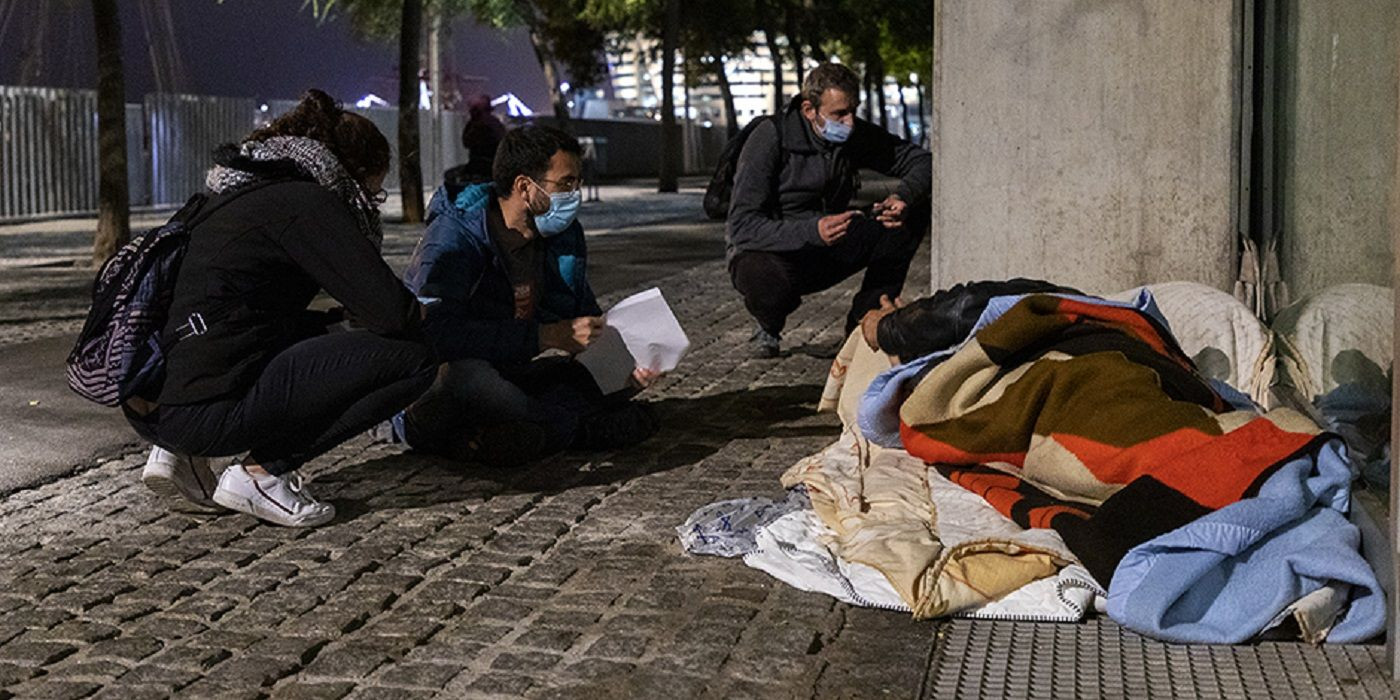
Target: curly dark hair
x,y
526,151
354,140
828,76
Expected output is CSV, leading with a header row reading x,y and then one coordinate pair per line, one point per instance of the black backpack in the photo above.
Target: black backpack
x,y
721,185
121,351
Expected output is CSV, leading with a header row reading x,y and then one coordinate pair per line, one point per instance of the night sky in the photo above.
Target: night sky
x,y
257,48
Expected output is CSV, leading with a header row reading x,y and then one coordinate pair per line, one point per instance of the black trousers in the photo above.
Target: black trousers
x,y
310,398
470,395
773,283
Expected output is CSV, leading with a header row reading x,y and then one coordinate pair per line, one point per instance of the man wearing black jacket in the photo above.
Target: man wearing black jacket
x,y
789,232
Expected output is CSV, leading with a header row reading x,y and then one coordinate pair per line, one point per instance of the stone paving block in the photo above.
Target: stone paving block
x,y
498,609
35,618
252,670
385,693
12,673
618,646
168,628
472,630
191,658
418,675
346,662
124,691
44,689
210,689
35,653
566,619
150,674
298,649
557,640
478,573
492,684
532,662
81,631
96,670
312,691
128,648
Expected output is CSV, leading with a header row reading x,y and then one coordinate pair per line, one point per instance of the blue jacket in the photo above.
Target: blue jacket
x,y
459,273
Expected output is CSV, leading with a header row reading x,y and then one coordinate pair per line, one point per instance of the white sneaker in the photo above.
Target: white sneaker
x,y
185,483
277,499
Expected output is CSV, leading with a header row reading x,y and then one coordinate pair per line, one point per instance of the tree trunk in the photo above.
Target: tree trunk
x,y
794,38
923,125
670,141
726,91
551,77
877,80
869,95
771,38
435,85
410,156
904,113
113,205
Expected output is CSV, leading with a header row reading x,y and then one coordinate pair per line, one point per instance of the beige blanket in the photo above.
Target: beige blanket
x,y
944,554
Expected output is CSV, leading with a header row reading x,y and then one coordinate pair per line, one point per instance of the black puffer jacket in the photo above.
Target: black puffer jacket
x,y
781,191
940,321
250,271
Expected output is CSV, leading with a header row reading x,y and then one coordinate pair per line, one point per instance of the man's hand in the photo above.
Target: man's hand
x,y
643,377
891,211
870,323
832,228
571,336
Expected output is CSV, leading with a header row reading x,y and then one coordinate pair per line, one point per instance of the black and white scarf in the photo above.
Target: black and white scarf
x,y
240,165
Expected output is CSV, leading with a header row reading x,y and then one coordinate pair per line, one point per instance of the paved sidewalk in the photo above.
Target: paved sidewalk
x,y
561,580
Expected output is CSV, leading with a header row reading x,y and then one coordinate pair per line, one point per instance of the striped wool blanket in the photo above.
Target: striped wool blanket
x,y
1089,419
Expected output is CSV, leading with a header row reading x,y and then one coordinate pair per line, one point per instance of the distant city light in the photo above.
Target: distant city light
x,y
514,107
371,100
263,107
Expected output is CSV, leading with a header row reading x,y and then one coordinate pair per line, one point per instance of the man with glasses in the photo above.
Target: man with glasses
x,y
502,272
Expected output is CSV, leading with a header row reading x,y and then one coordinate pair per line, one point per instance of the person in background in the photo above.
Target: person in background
x,y
502,270
789,232
293,212
481,136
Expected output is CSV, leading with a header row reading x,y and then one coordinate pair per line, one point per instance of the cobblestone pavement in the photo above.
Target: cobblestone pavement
x,y
560,580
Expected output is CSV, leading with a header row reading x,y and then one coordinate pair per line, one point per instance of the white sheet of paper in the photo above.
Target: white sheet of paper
x,y
641,332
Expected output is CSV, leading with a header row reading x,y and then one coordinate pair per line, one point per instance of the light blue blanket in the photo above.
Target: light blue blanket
x,y
1222,578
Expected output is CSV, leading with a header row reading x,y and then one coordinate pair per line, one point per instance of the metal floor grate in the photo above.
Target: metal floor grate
x,y
1099,659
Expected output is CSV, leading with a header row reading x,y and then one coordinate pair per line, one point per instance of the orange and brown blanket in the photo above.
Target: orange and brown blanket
x,y
1089,419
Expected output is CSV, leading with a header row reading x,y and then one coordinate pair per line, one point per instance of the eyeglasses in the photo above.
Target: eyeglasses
x,y
568,184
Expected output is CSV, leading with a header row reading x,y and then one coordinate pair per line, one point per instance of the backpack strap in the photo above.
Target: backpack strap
x,y
195,212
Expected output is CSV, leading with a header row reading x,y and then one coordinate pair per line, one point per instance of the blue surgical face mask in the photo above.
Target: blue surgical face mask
x,y
563,209
835,132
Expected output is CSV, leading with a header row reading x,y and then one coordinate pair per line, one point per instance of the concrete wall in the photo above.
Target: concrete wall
x,y
1339,142
1090,142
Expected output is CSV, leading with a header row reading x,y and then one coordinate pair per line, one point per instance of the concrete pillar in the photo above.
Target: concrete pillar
x,y
1092,143
1339,141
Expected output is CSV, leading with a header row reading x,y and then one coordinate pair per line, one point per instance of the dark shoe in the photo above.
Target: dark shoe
x,y
504,445
624,426
764,345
